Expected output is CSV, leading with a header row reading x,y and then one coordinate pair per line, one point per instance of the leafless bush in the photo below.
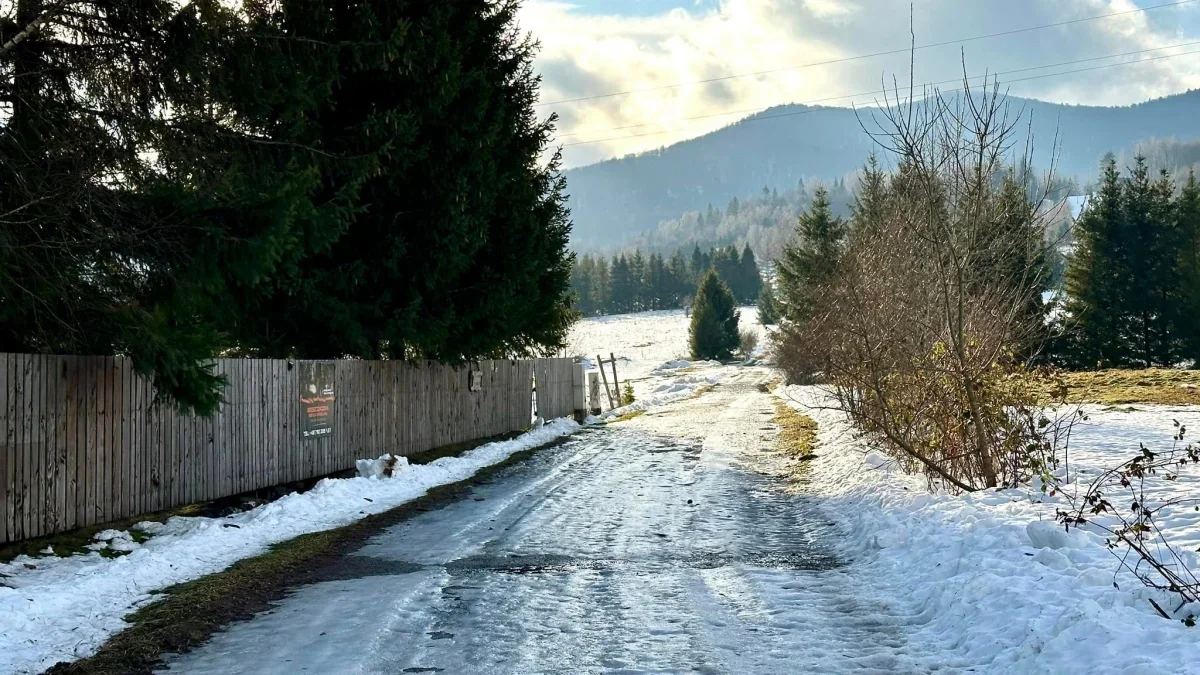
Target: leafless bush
x,y
1120,504
801,350
747,342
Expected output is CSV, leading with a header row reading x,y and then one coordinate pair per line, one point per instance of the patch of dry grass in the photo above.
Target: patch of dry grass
x,y
770,385
797,433
1117,387
632,414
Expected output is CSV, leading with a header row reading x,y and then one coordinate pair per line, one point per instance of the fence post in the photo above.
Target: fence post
x,y
579,390
611,403
616,382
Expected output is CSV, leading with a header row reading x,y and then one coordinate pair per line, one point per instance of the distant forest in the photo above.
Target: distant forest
x,y
1171,155
764,221
636,282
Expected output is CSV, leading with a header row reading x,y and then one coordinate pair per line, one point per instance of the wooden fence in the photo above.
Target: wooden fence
x,y
83,442
553,380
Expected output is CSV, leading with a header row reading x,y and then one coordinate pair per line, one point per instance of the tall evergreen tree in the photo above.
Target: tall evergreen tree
x,y
159,147
601,294
637,272
1188,215
725,263
1096,275
1127,290
622,286
582,277
810,260
749,278
870,202
679,277
457,247
1017,258
768,305
700,265
714,322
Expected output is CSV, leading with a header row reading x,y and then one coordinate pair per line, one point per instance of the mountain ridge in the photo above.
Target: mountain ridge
x,y
615,199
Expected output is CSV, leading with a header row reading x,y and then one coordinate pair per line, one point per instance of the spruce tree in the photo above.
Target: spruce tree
x,y
457,244
714,325
582,275
1188,214
601,294
749,277
641,290
725,263
870,203
678,278
622,286
1097,278
699,266
768,305
1128,291
1017,258
160,220
810,260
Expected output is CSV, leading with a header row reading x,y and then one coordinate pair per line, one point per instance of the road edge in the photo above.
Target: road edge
x,y
188,614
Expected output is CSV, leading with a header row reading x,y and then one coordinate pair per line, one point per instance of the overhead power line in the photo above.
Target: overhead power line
x,y
860,57
747,111
926,85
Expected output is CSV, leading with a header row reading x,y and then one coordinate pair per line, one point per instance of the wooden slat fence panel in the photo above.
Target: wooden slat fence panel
x,y
82,441
554,381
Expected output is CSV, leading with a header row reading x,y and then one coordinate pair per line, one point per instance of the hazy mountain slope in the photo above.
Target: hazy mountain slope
x,y
618,198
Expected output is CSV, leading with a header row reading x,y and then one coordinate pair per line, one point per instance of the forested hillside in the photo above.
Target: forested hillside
x,y
636,283
614,201
765,221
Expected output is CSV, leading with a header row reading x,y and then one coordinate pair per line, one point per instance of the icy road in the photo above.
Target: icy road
x,y
656,545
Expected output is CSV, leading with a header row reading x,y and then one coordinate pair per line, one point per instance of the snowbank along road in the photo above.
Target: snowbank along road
x,y
649,546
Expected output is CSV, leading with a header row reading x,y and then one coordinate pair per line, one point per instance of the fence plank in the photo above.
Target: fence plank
x,y
16,383
52,472
6,457
63,456
35,443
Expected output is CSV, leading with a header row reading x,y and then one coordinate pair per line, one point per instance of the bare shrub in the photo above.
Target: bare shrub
x,y
1121,504
747,342
926,328
801,350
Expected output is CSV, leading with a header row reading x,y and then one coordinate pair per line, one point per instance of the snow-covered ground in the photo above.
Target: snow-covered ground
x,y
59,609
990,581
643,343
932,582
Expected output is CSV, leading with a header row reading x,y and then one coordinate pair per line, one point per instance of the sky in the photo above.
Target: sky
x,y
659,49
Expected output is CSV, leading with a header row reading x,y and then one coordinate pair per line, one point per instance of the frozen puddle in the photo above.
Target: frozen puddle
x,y
588,558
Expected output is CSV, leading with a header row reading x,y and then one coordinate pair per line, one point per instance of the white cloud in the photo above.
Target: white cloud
x,y
586,54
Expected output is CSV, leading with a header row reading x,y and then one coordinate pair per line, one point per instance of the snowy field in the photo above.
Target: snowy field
x,y
990,581
60,609
651,350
